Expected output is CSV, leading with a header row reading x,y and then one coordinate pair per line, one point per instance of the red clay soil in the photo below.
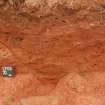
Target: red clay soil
x,y
57,62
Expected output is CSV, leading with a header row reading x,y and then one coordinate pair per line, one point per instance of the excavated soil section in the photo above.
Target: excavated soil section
x,y
58,62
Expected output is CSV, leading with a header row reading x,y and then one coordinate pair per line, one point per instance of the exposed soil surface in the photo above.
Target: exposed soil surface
x,y
58,60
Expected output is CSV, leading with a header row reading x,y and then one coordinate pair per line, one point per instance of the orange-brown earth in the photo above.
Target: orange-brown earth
x,y
58,59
